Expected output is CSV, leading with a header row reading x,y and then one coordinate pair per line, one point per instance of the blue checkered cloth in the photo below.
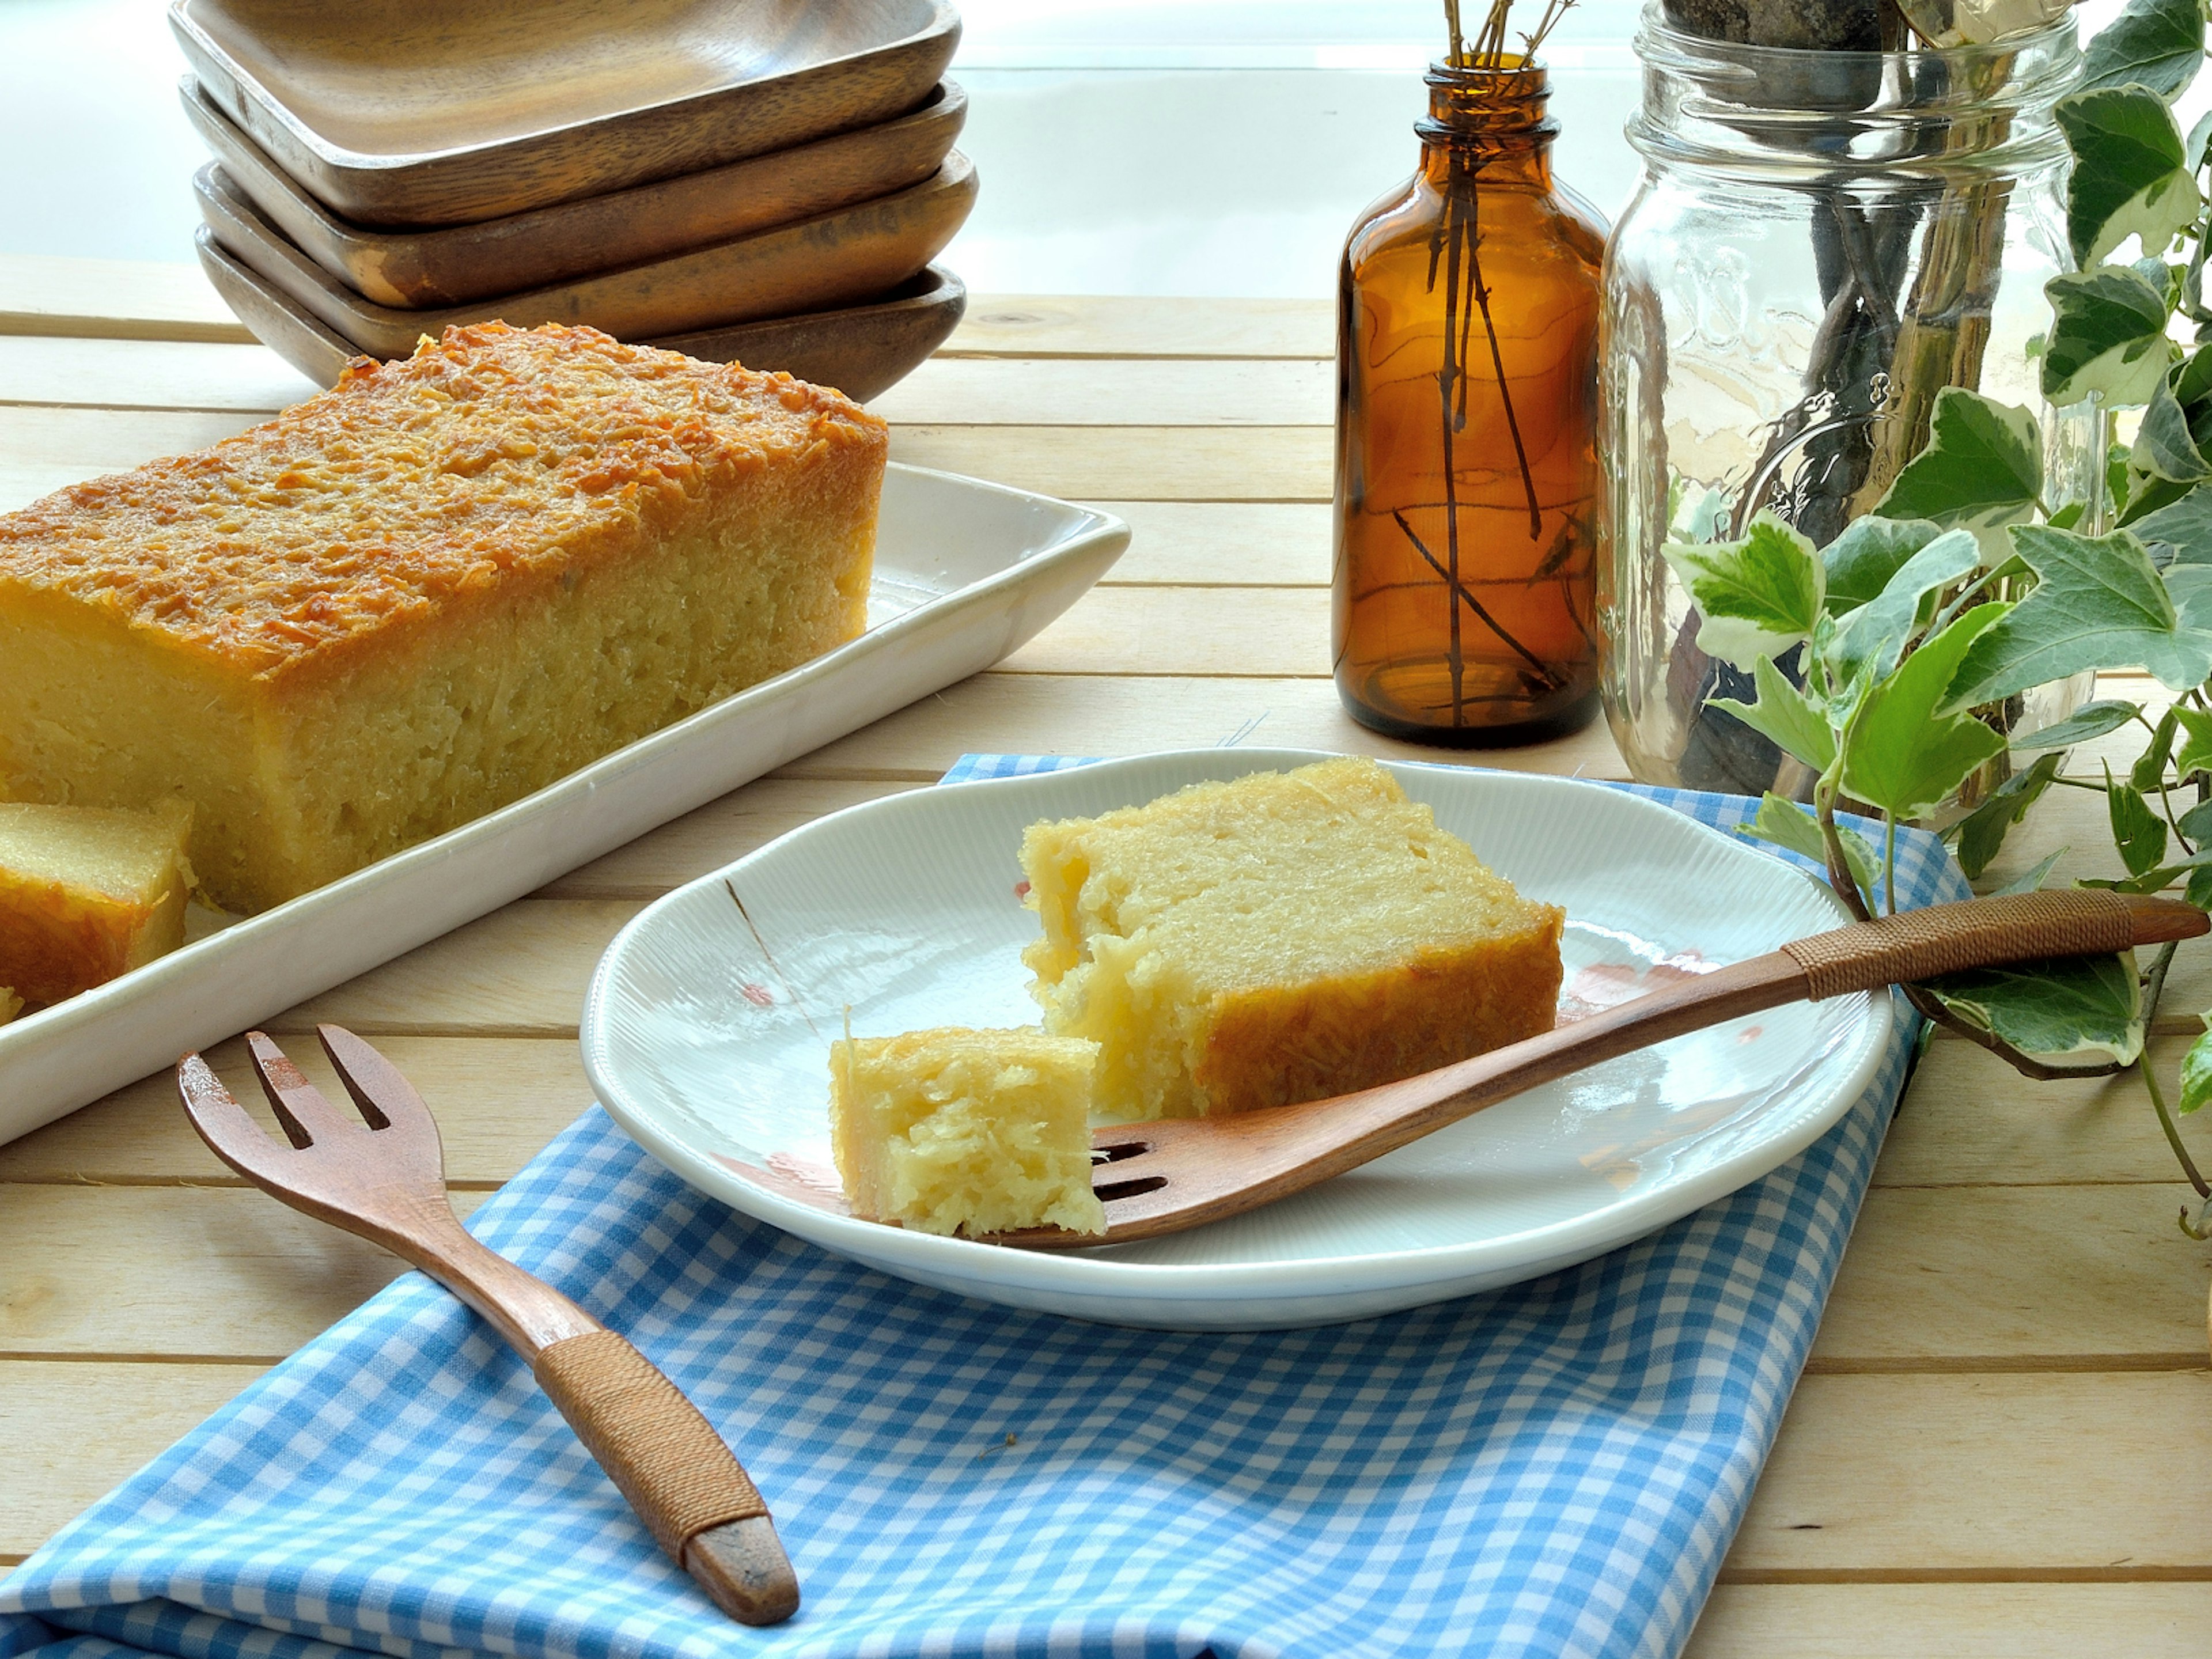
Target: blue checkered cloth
x,y
1554,1468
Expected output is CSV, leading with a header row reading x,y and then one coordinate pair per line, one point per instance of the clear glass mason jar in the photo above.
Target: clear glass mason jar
x,y
1822,242
1465,584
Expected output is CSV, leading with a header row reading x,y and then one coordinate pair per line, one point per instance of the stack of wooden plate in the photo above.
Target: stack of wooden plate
x,y
763,180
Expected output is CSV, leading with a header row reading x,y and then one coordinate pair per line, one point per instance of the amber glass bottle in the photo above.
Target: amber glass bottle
x,y
1466,408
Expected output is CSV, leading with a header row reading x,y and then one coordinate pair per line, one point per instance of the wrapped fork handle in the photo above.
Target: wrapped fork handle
x,y
1917,944
662,1455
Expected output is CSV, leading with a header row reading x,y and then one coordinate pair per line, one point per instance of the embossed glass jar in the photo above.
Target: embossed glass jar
x,y
1821,242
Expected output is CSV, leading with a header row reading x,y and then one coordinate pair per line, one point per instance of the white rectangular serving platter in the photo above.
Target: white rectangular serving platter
x,y
965,572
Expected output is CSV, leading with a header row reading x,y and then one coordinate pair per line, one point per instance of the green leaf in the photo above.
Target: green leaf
x,y
1786,825
2107,337
2131,175
2149,769
1982,469
2199,891
2031,881
2197,823
2184,525
2196,1070
1901,756
2096,604
2138,832
2194,755
1785,716
2151,880
1868,643
2079,1010
1758,596
1870,551
2164,446
1981,833
2153,43
2090,720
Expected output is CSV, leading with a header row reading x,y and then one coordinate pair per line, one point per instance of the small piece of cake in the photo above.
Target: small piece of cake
x,y
11,1005
426,593
955,1130
1283,937
87,893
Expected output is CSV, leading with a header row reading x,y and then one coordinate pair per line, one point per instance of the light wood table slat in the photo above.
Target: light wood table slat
x,y
1999,1444
175,1273
2003,1620
1129,714
233,1272
1918,1478
251,380
498,1101
75,1430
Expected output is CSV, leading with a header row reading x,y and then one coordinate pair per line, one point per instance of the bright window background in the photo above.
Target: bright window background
x,y
1193,147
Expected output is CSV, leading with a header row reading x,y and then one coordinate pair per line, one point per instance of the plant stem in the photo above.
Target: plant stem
x,y
1497,361
2172,1131
1446,375
1889,862
1466,597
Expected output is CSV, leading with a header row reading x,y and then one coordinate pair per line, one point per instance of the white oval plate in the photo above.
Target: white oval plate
x,y
707,1026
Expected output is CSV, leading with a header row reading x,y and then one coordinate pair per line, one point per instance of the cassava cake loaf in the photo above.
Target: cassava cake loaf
x,y
954,1130
1283,936
88,893
427,592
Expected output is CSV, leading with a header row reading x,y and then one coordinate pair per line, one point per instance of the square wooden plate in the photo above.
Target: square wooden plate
x,y
834,259
453,264
411,112
862,349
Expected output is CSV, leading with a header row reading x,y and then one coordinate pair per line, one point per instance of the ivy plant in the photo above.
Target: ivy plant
x,y
1884,661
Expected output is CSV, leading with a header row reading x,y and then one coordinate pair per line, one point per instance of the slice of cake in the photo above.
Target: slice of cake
x,y
961,1131
427,592
11,1005
87,893
1283,937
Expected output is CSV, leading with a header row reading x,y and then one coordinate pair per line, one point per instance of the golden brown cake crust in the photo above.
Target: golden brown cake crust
x,y
493,459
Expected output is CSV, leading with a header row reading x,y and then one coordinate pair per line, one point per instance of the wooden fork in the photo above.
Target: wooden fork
x,y
384,1178
1177,1173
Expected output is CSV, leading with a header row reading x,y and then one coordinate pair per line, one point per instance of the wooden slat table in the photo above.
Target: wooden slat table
x,y
2001,1442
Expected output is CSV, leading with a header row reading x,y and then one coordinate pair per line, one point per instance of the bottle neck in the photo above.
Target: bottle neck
x,y
1487,125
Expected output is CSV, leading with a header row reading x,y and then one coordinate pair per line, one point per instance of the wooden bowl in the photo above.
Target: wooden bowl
x,y
816,265
397,112
863,350
455,264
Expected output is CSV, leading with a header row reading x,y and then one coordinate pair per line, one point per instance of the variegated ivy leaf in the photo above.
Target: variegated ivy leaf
x,y
2098,603
1756,597
1870,551
2138,832
2077,1011
2194,754
2130,177
2107,337
1785,716
2090,720
2184,525
2197,1069
1786,825
1982,470
2152,43
1867,643
1981,833
2163,446
1904,757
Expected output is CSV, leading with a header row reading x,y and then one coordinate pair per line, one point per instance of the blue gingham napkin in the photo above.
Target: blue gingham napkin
x,y
1554,1468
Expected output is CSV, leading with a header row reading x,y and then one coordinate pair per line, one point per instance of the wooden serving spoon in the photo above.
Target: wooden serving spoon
x,y
1177,1173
